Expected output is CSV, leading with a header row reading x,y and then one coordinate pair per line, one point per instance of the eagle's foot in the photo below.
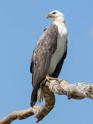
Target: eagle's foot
x,y
48,78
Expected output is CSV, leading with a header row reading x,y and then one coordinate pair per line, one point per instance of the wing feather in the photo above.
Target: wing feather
x,y
41,58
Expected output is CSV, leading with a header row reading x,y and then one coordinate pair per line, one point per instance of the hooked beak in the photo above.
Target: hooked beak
x,y
49,16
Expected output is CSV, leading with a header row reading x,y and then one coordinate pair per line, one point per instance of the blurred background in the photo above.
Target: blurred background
x,y
21,23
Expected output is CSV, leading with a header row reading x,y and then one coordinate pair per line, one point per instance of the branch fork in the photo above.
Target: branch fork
x,y
79,90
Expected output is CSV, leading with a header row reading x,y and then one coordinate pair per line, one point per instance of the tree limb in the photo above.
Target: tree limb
x,y
52,86
79,90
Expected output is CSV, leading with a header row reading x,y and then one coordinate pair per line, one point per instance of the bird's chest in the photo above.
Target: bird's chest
x,y
61,47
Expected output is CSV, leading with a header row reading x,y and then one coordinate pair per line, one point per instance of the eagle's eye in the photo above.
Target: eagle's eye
x,y
53,12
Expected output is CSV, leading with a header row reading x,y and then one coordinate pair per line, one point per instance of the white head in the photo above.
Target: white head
x,y
55,15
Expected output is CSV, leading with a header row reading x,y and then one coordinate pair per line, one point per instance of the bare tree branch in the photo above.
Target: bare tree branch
x,y
77,90
38,111
52,86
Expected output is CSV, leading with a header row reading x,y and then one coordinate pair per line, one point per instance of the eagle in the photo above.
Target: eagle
x,y
49,53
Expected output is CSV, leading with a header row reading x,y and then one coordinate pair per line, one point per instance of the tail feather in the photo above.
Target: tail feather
x,y
34,94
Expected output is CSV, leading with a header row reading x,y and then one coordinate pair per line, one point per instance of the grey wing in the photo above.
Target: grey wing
x,y
43,52
41,58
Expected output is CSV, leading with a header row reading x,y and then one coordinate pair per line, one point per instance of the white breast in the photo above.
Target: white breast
x,y
61,46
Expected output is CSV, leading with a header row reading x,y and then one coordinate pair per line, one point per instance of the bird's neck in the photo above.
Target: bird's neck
x,y
59,20
61,26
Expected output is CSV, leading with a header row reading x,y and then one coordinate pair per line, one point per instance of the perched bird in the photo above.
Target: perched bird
x,y
49,53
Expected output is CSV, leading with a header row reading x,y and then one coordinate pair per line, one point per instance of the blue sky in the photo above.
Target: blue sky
x,y
21,23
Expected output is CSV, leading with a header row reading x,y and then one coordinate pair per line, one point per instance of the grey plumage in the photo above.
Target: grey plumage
x,y
41,58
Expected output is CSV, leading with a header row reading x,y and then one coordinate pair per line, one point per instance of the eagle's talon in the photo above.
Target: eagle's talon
x,y
47,78
51,78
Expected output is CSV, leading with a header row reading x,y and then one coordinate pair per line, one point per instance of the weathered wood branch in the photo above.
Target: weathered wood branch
x,y
78,90
38,111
